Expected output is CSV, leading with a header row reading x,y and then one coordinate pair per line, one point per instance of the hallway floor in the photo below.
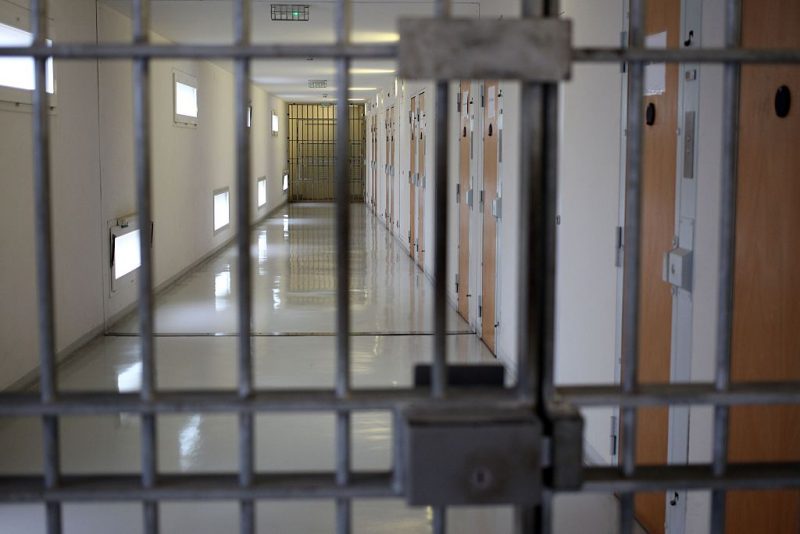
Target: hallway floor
x,y
293,255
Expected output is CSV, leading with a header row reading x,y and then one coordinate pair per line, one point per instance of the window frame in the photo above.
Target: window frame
x,y
122,226
191,81
214,194
275,123
259,181
14,96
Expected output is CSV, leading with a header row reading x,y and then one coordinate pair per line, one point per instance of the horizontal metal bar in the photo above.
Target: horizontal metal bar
x,y
682,394
255,51
107,488
196,487
386,51
208,401
693,477
687,55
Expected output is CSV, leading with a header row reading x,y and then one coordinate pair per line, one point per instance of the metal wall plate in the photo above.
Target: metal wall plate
x,y
472,455
536,50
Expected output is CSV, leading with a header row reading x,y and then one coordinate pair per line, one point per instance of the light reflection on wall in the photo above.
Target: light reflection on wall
x,y
222,288
262,252
188,441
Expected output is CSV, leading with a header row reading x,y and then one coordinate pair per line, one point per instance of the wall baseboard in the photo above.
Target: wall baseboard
x,y
30,379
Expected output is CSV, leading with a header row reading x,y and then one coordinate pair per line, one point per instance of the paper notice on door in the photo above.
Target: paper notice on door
x,y
655,74
491,101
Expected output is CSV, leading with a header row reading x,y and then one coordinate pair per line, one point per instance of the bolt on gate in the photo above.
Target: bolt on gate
x,y
518,445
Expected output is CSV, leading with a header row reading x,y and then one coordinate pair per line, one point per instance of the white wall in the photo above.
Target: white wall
x,y
589,192
76,207
93,182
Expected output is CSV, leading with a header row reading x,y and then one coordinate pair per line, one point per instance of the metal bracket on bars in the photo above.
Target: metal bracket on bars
x,y
535,50
481,455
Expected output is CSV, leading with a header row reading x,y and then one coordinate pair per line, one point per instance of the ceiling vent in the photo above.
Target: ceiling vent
x,y
317,84
289,12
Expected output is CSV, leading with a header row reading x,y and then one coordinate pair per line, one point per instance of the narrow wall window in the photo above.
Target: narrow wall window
x,y
262,192
125,253
186,108
17,77
285,181
275,123
250,116
222,209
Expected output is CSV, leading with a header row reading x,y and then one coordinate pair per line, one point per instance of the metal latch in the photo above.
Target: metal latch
x,y
497,208
469,197
471,455
480,454
677,268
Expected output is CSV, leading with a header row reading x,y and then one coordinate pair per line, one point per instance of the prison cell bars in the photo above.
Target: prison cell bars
x,y
44,265
535,381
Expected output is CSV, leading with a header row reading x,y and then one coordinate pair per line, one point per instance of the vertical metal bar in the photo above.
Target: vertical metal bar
x,y
727,252
439,520
241,101
536,278
44,263
141,107
442,9
631,268
341,179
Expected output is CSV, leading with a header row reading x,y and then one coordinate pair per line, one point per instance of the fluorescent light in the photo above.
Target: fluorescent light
x,y
362,89
375,37
362,70
356,99
275,123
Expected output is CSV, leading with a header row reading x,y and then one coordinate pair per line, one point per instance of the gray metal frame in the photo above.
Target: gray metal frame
x,y
534,390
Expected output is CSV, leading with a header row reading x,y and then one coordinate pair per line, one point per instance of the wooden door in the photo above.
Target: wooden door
x,y
422,130
463,208
412,173
658,229
766,315
489,256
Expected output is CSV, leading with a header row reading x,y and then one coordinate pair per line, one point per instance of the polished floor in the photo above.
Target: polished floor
x,y
293,257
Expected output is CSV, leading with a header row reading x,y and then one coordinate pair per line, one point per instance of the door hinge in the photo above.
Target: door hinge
x,y
458,102
623,41
458,193
456,282
480,305
619,247
614,435
482,102
480,201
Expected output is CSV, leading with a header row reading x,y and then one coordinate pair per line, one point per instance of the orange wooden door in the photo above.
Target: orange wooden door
x,y
412,191
422,138
766,316
658,229
463,208
489,254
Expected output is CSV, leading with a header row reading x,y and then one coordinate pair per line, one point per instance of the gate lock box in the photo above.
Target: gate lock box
x,y
487,455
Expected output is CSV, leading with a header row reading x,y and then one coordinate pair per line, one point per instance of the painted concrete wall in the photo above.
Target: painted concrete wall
x,y
93,182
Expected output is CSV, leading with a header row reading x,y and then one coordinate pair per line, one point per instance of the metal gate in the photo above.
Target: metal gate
x,y
312,135
539,420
